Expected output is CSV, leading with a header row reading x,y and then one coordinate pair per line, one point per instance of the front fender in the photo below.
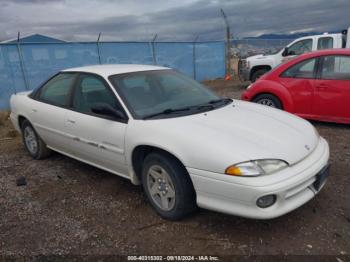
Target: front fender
x,y
270,87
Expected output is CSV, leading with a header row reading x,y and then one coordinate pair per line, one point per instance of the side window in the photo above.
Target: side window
x,y
325,43
56,90
90,90
304,69
336,68
300,47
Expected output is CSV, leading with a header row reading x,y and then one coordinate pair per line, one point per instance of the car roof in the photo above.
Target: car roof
x,y
114,69
282,67
334,51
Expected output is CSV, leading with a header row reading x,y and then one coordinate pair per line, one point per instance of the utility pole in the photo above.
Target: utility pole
x,y
21,62
98,48
154,55
194,58
227,45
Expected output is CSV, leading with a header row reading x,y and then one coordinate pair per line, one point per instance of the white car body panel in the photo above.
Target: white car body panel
x,y
86,142
206,144
184,136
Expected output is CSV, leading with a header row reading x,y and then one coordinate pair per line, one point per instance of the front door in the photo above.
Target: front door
x,y
332,89
95,138
298,48
299,79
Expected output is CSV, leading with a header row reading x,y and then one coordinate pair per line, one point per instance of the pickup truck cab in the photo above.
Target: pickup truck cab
x,y
254,67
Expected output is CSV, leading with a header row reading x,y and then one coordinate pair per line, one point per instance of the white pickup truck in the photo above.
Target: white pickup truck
x,y
253,67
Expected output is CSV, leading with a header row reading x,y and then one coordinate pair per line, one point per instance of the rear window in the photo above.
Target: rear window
x,y
325,43
336,68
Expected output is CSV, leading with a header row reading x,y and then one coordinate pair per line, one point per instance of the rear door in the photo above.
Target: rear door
x,y
96,138
299,79
332,88
49,109
325,42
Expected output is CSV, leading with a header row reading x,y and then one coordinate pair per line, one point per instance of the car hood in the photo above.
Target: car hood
x,y
260,58
255,57
238,132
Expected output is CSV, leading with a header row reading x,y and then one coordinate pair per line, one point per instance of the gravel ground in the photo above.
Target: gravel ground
x,y
68,207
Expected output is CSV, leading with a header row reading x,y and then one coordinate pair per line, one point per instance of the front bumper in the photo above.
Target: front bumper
x,y
246,96
244,74
243,70
292,186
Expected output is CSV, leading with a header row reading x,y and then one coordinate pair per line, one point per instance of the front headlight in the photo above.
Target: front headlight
x,y
244,63
256,167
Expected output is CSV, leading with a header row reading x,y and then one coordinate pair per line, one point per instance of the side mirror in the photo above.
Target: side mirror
x,y
285,52
107,110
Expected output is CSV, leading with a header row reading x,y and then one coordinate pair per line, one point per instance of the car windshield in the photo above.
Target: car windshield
x,y
164,93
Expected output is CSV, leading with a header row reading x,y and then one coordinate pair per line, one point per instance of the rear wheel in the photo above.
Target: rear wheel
x,y
168,186
35,146
268,100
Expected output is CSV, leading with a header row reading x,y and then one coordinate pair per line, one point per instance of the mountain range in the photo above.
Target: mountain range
x,y
289,36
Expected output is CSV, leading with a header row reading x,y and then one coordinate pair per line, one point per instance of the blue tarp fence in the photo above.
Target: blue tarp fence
x,y
24,66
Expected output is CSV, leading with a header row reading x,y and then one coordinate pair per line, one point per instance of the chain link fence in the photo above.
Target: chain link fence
x,y
24,66
249,47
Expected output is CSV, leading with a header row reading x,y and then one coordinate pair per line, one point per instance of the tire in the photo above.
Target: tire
x,y
34,145
268,100
163,177
257,74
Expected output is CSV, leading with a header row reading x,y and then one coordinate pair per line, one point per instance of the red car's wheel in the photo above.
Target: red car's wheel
x,y
268,100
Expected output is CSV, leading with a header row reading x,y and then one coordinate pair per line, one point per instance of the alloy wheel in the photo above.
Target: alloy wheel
x,y
161,187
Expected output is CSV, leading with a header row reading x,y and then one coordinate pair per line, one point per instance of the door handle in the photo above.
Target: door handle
x,y
71,121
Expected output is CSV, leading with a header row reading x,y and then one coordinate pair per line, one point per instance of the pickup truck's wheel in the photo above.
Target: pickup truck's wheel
x,y
257,74
268,100
168,186
35,146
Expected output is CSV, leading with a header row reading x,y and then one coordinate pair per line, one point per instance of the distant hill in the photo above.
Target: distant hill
x,y
289,36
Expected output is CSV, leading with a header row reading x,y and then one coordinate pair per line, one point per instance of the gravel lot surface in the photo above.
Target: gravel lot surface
x,y
68,207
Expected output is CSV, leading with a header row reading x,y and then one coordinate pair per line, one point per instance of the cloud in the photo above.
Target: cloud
x,y
172,20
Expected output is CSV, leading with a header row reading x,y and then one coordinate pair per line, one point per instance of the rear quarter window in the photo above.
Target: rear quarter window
x,y
56,90
336,68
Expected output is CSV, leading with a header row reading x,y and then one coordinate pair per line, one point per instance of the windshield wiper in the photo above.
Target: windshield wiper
x,y
167,111
211,104
220,100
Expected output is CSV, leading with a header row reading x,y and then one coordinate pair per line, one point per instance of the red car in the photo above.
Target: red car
x,y
315,86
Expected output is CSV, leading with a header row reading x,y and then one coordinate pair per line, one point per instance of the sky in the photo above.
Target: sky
x,y
180,20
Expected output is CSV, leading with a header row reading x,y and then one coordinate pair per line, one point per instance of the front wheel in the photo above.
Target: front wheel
x,y
268,100
168,186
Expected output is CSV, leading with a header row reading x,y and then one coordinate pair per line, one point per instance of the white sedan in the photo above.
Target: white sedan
x,y
185,145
